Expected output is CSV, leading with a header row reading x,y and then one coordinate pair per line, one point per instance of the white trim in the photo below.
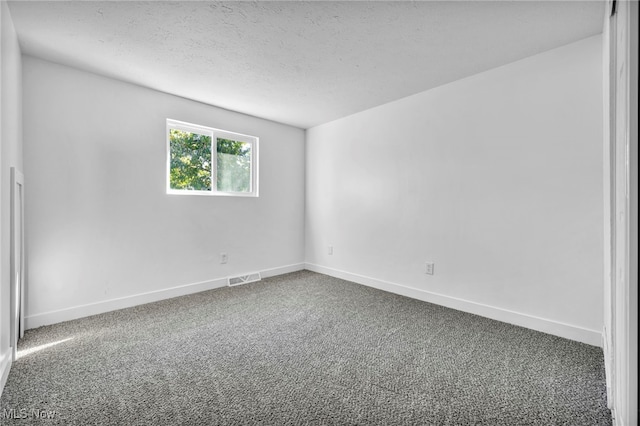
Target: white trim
x,y
608,366
75,312
272,272
81,311
622,322
5,367
608,201
568,331
211,193
17,260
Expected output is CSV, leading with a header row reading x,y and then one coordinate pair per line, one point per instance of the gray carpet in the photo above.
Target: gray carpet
x,y
302,348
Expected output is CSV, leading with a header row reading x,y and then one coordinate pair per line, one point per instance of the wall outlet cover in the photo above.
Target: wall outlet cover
x,y
429,268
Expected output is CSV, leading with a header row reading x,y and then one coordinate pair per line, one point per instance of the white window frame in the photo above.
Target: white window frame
x,y
214,134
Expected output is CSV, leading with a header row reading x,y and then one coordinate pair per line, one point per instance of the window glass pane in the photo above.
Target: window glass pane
x,y
190,160
234,166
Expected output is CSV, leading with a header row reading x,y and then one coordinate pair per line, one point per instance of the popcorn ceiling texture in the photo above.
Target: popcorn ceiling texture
x,y
302,348
299,63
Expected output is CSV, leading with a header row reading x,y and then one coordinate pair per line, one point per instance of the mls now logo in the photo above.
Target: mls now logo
x,y
23,413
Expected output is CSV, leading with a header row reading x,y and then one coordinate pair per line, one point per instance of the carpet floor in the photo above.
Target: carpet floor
x,y
301,348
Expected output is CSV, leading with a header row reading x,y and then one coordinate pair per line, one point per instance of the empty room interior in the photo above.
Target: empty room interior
x,y
355,212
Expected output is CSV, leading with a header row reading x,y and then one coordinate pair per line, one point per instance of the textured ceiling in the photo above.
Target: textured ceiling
x,y
300,63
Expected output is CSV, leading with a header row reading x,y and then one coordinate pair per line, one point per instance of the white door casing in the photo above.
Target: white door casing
x,y
17,259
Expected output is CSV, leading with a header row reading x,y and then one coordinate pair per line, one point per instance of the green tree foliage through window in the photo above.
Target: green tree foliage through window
x,y
191,163
234,166
190,160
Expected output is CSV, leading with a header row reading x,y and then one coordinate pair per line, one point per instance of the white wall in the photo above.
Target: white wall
x,y
98,221
10,156
497,178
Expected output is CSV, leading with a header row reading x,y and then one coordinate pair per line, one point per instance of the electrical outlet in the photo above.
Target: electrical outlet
x,y
223,257
330,250
429,268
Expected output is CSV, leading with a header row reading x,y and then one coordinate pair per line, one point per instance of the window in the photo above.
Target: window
x,y
206,161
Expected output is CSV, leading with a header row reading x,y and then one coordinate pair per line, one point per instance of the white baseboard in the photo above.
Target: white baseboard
x,y
5,367
81,311
568,331
266,273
